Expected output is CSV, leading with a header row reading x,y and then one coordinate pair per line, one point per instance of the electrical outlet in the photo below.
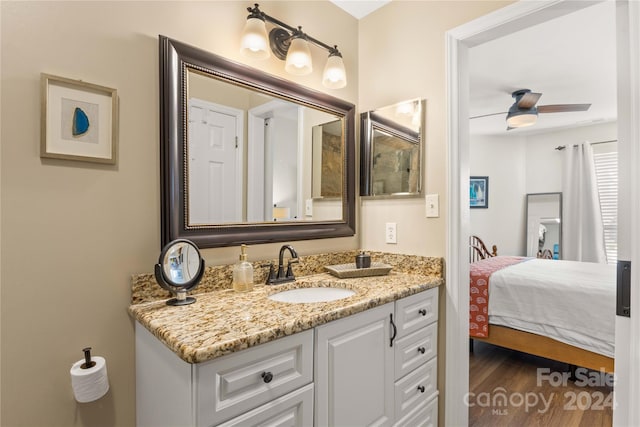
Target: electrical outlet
x,y
390,233
433,207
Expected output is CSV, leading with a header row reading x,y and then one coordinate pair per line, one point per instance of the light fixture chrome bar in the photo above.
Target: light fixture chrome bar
x,y
257,13
291,45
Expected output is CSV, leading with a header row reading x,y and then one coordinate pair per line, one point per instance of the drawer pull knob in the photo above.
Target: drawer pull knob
x,y
267,377
421,350
422,311
421,388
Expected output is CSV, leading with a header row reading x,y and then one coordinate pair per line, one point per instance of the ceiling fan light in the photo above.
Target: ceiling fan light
x,y
254,42
521,118
299,57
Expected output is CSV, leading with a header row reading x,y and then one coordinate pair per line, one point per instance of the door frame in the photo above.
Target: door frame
x,y
458,40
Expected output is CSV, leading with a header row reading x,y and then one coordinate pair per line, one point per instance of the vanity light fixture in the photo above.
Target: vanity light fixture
x,y
406,108
298,60
290,44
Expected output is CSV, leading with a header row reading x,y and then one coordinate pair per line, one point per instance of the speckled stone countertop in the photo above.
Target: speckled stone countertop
x,y
223,321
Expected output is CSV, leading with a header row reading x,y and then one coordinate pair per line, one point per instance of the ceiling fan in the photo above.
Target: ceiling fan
x,y
524,111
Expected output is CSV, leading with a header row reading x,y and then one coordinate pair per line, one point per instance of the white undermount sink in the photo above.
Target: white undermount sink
x,y
309,295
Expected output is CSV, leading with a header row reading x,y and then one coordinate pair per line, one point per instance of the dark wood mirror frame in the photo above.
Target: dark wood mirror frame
x,y
370,121
176,59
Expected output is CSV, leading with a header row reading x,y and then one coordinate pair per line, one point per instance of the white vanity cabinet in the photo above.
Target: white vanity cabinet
x,y
354,370
268,384
372,371
377,367
415,360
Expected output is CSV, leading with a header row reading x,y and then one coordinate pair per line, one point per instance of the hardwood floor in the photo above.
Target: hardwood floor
x,y
509,388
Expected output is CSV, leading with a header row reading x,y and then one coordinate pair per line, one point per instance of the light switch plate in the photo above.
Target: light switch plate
x,y
433,206
308,207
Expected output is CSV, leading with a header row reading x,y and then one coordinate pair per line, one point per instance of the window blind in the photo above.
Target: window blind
x,y
605,157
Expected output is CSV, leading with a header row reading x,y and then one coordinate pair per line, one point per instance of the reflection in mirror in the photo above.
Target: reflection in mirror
x,y
181,263
327,178
391,147
544,225
179,270
225,121
327,161
237,154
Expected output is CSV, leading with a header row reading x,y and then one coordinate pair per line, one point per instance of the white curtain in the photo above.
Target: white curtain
x,y
582,229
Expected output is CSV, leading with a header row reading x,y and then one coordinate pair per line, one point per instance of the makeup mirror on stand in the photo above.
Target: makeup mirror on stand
x,y
179,269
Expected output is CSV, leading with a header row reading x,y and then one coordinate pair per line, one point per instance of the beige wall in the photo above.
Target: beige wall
x,y
73,233
404,62
407,62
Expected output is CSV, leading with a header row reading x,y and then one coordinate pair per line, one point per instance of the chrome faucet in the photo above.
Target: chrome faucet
x,y
281,276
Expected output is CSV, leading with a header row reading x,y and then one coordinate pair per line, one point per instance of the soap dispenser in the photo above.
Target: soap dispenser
x,y
243,272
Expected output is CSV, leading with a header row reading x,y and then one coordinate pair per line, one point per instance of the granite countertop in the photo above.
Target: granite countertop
x,y
224,321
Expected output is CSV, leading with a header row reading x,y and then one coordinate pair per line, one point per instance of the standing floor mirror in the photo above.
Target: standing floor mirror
x,y
544,225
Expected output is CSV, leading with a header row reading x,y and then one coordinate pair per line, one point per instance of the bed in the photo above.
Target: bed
x,y
561,310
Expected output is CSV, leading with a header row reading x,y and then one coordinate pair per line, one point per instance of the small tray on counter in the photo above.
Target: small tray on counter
x,y
344,271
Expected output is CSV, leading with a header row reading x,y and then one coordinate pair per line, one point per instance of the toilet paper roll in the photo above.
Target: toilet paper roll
x,y
92,383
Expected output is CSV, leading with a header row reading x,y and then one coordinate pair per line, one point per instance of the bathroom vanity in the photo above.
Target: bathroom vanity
x,y
239,359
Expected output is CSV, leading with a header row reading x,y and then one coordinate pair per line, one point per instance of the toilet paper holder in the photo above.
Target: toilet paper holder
x,y
88,363
89,377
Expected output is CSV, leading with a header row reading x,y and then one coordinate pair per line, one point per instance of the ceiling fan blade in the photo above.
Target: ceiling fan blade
x,y
487,115
528,100
563,108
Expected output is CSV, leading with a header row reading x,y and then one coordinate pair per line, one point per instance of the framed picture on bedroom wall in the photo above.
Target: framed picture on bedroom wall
x,y
479,192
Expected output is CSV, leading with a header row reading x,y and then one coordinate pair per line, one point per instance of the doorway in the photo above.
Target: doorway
x,y
459,40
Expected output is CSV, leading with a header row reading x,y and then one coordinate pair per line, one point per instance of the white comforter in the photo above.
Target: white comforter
x,y
573,302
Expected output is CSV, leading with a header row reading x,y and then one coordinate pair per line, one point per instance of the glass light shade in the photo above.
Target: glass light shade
x,y
520,120
298,58
405,109
334,76
254,42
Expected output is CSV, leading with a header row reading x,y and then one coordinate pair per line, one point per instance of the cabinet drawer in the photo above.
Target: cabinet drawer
x,y
292,410
236,383
416,311
415,349
416,388
425,416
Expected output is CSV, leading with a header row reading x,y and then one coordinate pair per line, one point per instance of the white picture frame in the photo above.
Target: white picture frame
x,y
79,120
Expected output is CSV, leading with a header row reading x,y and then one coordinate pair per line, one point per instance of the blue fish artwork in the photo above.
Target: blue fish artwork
x,y
80,122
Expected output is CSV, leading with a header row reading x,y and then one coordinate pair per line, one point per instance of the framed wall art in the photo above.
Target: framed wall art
x,y
479,192
79,120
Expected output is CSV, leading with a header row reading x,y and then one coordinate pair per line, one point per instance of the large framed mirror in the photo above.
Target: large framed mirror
x,y
237,154
544,225
391,150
